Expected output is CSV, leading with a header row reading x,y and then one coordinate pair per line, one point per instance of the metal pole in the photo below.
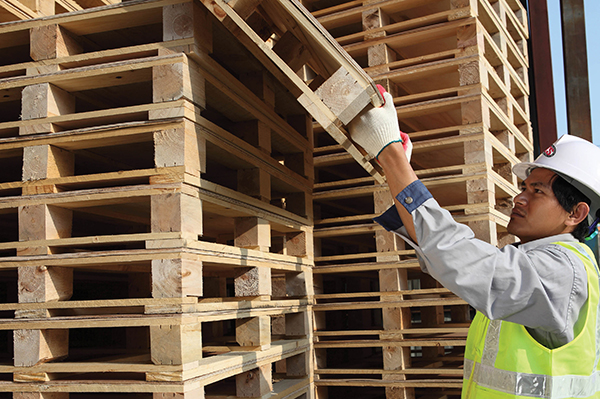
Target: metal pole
x,y
576,68
543,108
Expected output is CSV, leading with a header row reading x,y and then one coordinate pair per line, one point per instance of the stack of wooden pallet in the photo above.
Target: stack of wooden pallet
x,y
156,210
15,10
458,73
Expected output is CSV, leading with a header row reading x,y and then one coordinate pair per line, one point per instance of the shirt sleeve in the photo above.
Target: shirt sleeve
x,y
543,288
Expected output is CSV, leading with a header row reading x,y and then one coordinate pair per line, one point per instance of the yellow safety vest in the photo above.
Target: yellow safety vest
x,y
502,360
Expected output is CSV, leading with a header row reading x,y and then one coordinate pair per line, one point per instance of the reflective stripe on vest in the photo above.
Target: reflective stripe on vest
x,y
485,374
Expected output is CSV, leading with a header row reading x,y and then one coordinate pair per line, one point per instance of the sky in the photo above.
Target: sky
x,y
592,14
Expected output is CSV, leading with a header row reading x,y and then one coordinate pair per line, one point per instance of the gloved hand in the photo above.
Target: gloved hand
x,y
376,128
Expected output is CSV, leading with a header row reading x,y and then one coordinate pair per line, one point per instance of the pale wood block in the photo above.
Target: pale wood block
x,y
41,69
197,393
52,41
254,383
321,357
176,212
33,347
254,281
303,124
485,230
261,85
43,7
278,324
399,393
380,55
478,151
279,286
176,278
245,8
254,182
296,284
256,133
300,204
41,222
461,9
252,233
300,243
43,127
481,191
462,3
502,42
391,280
472,73
374,18
460,313
299,163
475,112
188,20
507,138
296,324
181,146
254,331
471,36
176,344
47,161
292,51
180,80
343,95
298,366
43,100
500,10
505,170
45,284
40,395
395,358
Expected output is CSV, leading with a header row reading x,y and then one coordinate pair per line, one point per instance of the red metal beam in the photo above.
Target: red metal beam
x,y
541,63
576,68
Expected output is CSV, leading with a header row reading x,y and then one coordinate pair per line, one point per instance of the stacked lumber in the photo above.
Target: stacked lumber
x,y
15,10
156,210
458,72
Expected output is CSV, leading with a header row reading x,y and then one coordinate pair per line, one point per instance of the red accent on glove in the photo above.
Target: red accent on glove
x,y
405,139
382,91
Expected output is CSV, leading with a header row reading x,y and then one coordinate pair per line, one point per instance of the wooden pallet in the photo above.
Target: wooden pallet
x,y
15,10
458,73
290,42
157,210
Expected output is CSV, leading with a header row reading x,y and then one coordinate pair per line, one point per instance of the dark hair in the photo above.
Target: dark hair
x,y
568,196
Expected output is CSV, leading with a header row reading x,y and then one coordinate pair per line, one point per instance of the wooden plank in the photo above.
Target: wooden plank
x,y
378,383
388,303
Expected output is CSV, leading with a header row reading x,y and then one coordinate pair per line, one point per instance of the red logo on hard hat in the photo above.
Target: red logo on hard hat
x,y
550,151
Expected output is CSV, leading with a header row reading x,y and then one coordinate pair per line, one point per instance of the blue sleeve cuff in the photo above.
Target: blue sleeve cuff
x,y
390,220
413,196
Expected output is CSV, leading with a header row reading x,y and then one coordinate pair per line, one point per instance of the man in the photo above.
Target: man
x,y
536,330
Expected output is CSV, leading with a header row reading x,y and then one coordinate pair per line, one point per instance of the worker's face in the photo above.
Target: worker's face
x,y
536,212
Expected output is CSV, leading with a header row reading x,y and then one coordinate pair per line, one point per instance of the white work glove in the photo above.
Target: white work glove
x,y
376,128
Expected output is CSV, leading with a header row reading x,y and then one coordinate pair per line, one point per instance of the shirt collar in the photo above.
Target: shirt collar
x,y
568,237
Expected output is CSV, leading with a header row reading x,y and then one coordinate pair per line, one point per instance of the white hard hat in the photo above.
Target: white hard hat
x,y
576,160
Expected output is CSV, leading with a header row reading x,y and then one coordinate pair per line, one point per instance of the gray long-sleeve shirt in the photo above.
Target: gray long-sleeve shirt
x,y
538,284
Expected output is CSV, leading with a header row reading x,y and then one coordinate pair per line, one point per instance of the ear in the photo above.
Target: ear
x,y
579,212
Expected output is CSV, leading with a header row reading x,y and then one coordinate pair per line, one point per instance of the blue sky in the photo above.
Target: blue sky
x,y
592,15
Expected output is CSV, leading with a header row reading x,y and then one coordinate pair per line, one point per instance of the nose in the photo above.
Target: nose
x,y
520,199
